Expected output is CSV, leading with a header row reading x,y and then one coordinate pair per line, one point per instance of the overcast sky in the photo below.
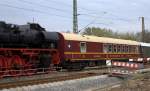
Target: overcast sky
x,y
56,15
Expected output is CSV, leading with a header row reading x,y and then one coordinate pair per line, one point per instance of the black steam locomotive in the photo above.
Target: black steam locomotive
x,y
25,47
31,35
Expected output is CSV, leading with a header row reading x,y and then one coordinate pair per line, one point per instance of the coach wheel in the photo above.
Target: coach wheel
x,y
58,68
81,67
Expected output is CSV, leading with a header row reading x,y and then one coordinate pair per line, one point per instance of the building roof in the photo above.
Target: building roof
x,y
86,38
145,44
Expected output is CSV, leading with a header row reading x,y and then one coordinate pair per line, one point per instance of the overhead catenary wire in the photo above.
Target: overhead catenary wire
x,y
33,10
44,6
60,10
38,11
37,4
80,8
89,24
91,14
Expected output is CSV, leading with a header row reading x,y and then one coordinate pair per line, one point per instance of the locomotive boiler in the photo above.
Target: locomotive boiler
x,y
21,36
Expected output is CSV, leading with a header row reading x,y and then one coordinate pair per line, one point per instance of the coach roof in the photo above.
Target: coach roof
x,y
78,37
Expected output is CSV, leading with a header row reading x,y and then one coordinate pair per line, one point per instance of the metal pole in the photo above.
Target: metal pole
x,y
75,17
143,30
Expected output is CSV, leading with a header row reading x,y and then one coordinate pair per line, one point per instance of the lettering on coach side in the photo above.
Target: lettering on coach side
x,y
97,56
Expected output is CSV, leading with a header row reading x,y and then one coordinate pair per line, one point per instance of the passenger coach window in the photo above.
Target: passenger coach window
x,y
137,49
52,45
123,48
119,48
110,48
83,47
127,48
105,48
115,48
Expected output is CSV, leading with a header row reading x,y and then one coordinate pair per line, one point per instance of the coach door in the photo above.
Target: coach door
x,y
83,47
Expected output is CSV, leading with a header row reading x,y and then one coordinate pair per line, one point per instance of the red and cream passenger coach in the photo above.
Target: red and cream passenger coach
x,y
82,50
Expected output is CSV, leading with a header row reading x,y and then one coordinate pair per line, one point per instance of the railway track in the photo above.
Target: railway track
x,y
42,81
58,76
53,77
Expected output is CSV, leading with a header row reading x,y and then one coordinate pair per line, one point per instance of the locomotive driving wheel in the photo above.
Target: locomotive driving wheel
x,y
3,66
16,65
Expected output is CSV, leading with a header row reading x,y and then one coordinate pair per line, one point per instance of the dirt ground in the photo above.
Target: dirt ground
x,y
140,82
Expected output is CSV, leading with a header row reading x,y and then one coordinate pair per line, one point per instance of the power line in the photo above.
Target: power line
x,y
32,10
93,12
42,12
56,2
102,24
69,5
56,8
28,2
88,24
44,6
38,11
65,11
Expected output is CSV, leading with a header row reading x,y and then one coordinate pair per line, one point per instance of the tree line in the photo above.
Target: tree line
x,y
103,32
